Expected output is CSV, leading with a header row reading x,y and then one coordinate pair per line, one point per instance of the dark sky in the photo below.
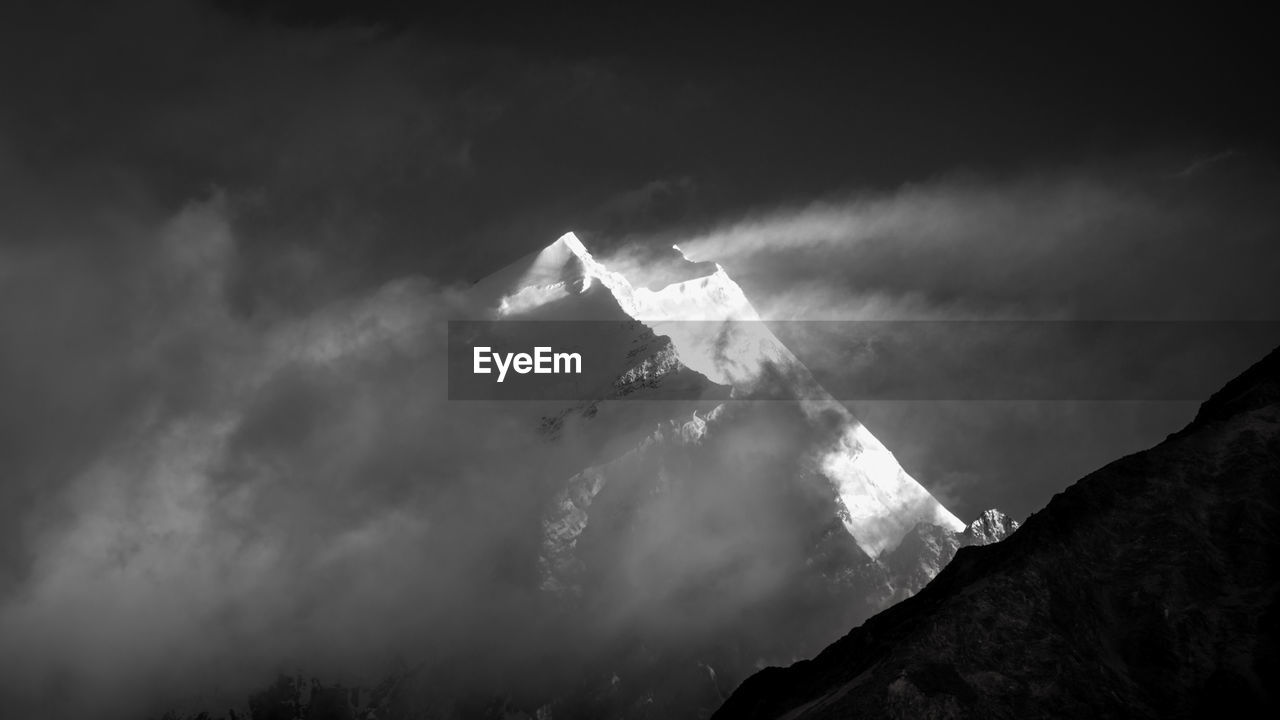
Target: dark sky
x,y
202,204
450,141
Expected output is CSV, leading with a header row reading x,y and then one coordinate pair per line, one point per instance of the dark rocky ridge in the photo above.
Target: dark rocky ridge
x,y
927,549
1147,589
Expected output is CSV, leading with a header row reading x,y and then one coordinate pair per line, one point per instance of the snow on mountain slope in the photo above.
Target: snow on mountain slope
x,y
716,332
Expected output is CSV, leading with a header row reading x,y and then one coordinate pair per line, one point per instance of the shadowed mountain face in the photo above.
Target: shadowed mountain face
x,y
1147,589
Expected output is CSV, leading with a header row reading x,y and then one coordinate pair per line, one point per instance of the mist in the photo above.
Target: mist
x,y
1163,236
295,493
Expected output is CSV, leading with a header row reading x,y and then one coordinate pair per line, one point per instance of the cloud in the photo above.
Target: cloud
x,y
1117,240
1204,162
218,496
225,446
1107,241
214,495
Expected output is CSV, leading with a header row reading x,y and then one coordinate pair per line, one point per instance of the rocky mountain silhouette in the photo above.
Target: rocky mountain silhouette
x,y
1147,589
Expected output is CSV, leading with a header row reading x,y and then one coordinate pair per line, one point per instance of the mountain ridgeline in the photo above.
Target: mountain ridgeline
x,y
1147,589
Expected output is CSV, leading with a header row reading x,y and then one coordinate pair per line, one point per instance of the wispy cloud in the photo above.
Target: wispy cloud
x,y
1117,241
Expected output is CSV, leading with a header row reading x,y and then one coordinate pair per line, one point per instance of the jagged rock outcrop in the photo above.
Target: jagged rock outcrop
x,y
991,526
928,548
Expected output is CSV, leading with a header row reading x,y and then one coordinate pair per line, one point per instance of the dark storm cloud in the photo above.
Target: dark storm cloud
x,y
245,494
205,371
383,136
366,147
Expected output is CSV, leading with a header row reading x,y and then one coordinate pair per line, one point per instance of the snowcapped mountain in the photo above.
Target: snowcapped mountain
x,y
729,530
714,331
706,509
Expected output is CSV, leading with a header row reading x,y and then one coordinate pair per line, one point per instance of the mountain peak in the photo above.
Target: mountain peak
x,y
716,333
991,526
569,245
574,245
